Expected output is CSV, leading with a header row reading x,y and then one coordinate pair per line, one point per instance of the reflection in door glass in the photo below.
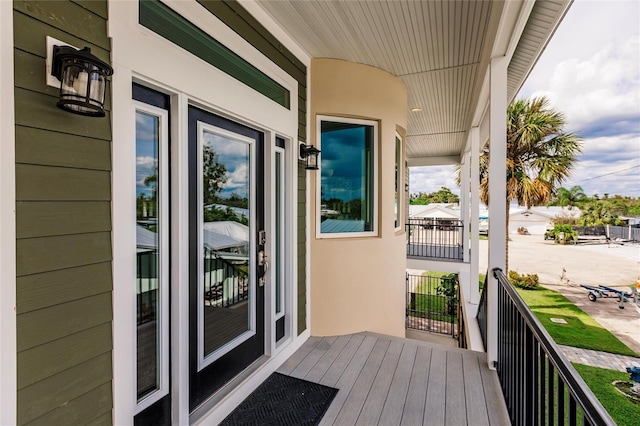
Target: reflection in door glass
x,y
226,189
147,264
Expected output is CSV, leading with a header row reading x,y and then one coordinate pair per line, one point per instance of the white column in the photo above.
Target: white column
x,y
465,282
8,363
464,205
474,166
497,195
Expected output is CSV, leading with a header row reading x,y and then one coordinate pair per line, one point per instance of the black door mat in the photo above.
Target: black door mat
x,y
283,400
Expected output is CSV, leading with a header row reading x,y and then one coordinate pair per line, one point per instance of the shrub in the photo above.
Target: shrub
x,y
559,231
527,282
449,288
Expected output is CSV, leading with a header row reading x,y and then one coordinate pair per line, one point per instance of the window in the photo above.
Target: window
x,y
348,177
152,287
397,203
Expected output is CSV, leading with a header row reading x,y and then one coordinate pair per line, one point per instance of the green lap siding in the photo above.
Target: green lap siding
x,y
63,227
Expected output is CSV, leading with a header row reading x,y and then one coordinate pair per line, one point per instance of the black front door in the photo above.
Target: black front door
x,y
226,219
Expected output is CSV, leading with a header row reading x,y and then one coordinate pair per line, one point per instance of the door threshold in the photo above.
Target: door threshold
x,y
209,404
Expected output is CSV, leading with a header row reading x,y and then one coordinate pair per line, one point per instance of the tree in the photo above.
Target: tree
x,y
443,195
569,197
599,214
540,154
214,176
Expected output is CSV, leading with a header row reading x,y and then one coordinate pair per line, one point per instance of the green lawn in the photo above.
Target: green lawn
x,y
426,302
582,331
623,410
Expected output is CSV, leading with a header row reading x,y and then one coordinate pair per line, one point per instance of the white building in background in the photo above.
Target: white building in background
x,y
536,220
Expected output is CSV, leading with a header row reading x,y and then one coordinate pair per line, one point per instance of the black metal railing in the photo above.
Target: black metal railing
x,y
225,283
435,238
432,304
146,285
462,328
482,313
538,383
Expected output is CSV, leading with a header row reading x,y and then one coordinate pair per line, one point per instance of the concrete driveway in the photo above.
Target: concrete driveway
x,y
614,265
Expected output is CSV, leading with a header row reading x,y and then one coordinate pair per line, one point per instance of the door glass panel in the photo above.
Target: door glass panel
x,y
226,226
147,260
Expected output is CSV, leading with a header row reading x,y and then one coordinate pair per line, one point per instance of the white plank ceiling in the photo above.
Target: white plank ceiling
x,y
436,47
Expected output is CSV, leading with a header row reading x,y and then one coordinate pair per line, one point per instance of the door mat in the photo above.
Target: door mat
x,y
283,400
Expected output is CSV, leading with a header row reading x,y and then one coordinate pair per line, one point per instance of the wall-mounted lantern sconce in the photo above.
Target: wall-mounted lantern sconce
x,y
83,80
310,155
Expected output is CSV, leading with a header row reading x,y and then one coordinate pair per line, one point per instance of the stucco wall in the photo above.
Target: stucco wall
x,y
358,284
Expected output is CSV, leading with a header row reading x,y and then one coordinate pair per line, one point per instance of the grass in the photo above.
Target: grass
x,y
581,331
623,410
428,303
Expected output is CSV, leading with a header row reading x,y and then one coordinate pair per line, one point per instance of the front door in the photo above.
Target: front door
x,y
226,243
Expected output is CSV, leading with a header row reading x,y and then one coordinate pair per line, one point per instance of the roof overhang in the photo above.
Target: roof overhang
x,y
441,50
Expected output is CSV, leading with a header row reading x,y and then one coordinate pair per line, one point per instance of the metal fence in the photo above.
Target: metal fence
x,y
435,238
628,233
225,283
539,385
593,231
432,304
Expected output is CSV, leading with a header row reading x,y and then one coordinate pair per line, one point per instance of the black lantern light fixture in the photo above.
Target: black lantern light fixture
x,y
310,155
83,80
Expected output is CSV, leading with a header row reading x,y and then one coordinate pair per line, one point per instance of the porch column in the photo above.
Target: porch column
x,y
474,166
497,195
464,205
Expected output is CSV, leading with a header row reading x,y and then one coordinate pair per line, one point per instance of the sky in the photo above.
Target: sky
x,y
590,71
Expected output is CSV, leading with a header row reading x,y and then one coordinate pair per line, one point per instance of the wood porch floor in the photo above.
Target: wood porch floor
x,y
391,381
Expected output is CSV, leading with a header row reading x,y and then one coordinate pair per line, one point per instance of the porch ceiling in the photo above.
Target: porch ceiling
x,y
440,49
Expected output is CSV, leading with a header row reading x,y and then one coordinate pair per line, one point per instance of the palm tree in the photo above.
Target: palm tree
x,y
569,197
540,154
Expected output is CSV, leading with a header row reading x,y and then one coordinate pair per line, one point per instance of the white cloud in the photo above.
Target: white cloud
x,y
601,93
431,178
591,72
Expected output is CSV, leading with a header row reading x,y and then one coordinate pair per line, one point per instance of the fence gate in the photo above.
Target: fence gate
x,y
432,304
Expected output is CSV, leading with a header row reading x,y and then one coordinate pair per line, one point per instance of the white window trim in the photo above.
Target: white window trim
x,y
399,181
206,360
375,165
163,253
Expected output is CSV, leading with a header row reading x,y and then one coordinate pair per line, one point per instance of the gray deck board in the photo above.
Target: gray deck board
x,y
290,364
380,388
383,380
348,379
352,407
312,358
417,394
338,367
455,414
476,407
394,405
327,359
436,389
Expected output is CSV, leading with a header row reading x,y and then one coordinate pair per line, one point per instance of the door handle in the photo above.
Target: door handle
x,y
262,261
